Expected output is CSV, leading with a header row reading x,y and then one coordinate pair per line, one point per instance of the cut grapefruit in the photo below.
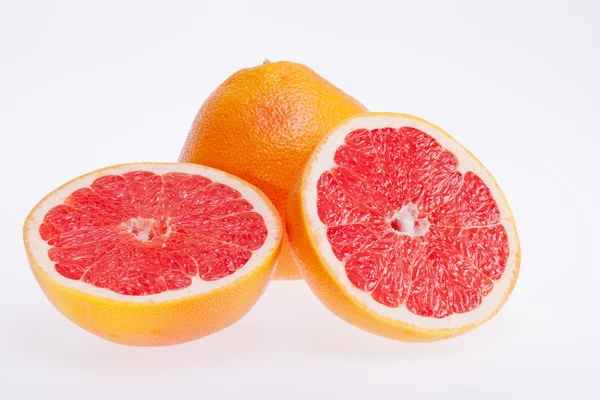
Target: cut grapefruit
x,y
401,231
152,253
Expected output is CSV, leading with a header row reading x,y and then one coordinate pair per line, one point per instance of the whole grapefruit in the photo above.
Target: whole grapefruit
x,y
261,124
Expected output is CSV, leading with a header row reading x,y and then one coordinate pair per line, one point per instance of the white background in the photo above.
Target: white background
x,y
86,85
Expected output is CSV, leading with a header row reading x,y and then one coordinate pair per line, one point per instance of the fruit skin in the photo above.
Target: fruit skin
x,y
155,323
333,295
160,323
261,124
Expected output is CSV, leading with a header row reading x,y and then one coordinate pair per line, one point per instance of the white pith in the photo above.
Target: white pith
x,y
38,248
407,218
323,159
142,227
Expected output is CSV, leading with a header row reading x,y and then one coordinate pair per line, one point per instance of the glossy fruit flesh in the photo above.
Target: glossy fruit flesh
x,y
410,228
141,233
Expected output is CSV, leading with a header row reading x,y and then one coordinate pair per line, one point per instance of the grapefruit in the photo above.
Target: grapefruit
x,y
399,230
151,253
261,124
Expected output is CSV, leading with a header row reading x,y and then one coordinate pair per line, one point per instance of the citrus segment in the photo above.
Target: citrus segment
x,y
152,234
414,228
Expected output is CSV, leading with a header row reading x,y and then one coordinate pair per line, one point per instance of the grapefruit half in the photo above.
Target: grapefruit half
x,y
153,253
399,230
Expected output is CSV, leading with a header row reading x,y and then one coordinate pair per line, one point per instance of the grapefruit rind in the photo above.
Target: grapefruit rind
x,y
321,268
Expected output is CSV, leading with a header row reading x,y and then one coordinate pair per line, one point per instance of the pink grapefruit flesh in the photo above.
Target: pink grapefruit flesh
x,y
140,233
408,226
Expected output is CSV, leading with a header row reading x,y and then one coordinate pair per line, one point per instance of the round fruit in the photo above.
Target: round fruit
x,y
261,124
399,230
153,254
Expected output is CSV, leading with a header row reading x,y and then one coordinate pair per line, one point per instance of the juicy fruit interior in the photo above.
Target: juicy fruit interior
x,y
141,233
409,227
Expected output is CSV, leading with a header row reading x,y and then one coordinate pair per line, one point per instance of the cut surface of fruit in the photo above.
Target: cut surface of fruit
x,y
409,229
152,236
261,124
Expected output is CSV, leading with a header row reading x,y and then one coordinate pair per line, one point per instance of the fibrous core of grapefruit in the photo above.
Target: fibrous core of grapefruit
x,y
401,231
152,253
